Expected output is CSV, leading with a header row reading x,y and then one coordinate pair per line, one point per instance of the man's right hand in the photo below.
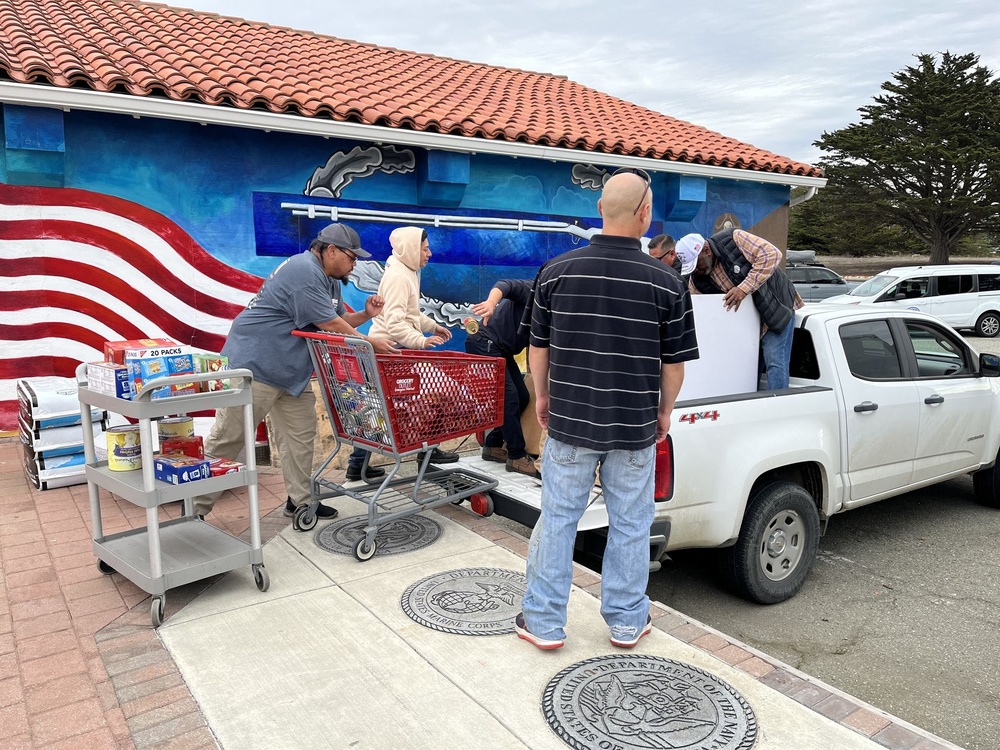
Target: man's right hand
x,y
433,341
542,410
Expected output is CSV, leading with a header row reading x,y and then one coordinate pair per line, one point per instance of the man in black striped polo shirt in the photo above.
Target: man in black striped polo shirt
x,y
611,329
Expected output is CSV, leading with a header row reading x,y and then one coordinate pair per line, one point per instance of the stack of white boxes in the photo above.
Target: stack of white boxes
x,y
50,429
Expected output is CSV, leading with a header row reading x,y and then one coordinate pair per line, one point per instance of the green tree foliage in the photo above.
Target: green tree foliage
x,y
925,157
837,222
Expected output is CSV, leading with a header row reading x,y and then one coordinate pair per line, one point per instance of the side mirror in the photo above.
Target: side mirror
x,y
989,365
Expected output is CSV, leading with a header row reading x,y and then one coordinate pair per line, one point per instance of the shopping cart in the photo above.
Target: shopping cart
x,y
397,406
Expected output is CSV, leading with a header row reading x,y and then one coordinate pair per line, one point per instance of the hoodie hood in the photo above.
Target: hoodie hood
x,y
405,243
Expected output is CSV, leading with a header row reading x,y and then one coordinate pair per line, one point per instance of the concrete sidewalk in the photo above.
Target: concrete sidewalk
x,y
326,657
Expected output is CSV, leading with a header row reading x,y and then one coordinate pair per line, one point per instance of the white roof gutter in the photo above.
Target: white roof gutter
x,y
139,106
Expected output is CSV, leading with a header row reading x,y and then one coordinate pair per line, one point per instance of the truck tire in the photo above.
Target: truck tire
x,y
986,484
777,544
988,325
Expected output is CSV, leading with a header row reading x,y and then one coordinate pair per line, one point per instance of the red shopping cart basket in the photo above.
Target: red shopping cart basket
x,y
405,402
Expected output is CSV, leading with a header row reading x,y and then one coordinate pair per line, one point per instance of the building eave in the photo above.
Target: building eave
x,y
126,104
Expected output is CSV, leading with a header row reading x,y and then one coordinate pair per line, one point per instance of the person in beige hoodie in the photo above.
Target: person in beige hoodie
x,y
401,320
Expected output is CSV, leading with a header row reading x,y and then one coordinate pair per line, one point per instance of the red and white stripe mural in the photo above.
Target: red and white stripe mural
x,y
78,268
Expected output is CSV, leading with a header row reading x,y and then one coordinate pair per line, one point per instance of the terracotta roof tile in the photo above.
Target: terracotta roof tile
x,y
148,49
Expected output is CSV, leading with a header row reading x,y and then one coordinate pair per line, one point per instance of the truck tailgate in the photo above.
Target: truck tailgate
x,y
519,497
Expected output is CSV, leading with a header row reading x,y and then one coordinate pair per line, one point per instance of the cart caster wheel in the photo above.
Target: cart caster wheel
x,y
364,551
156,610
304,520
261,578
482,504
105,568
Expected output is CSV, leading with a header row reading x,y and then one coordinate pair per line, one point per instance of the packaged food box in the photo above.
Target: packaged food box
x,y
219,466
208,362
114,351
180,469
142,369
193,446
109,378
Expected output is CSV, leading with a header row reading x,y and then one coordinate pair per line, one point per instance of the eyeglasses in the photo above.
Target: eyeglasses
x,y
349,254
645,177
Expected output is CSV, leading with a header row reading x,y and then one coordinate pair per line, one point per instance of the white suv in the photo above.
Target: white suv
x,y
964,296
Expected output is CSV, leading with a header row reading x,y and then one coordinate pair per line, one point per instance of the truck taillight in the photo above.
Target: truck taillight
x,y
664,477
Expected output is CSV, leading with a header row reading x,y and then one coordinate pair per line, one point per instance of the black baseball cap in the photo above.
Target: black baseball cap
x,y
341,235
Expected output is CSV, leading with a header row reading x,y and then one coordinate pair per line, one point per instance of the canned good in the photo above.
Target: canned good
x,y
171,427
124,449
471,326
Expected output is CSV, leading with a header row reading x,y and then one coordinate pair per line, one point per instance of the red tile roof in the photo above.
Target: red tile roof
x,y
150,50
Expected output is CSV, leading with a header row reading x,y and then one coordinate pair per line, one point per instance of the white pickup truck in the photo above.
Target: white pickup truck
x,y
881,402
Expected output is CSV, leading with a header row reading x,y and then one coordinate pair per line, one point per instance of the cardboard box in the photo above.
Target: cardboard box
x,y
193,446
219,466
180,469
109,378
142,369
209,362
114,351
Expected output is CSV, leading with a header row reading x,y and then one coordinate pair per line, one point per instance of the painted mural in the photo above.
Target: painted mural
x,y
117,228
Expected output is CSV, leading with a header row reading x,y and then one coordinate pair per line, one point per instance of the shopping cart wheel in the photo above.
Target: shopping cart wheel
x,y
261,578
156,610
105,568
482,504
304,519
364,551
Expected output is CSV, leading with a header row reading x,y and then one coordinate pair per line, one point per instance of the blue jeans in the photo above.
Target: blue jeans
x,y
627,481
776,348
357,457
515,399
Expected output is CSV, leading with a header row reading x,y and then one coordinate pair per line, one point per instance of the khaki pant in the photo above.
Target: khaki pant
x,y
294,422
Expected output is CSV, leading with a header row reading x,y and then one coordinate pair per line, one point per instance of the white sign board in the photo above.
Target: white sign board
x,y
728,342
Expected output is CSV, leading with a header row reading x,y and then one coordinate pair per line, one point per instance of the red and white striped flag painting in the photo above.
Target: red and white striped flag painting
x,y
79,268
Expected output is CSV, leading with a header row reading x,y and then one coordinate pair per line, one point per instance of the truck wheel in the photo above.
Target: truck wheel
x,y
986,484
777,544
988,325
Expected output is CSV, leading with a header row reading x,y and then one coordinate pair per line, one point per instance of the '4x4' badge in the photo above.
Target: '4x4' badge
x,y
696,415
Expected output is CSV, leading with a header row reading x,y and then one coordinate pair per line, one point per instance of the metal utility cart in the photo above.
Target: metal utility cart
x,y
397,406
164,555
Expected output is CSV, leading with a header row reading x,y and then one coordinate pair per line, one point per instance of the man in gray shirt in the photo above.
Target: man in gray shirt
x,y
303,293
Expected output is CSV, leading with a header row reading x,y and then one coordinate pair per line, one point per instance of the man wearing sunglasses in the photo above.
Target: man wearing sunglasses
x,y
303,293
661,247
611,328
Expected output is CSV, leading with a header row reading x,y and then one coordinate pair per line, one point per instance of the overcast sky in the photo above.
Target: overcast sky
x,y
773,73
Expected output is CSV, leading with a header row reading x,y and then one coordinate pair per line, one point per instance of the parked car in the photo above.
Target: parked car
x,y
815,282
966,296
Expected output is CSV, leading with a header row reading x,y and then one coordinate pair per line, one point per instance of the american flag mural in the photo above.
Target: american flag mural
x,y
79,268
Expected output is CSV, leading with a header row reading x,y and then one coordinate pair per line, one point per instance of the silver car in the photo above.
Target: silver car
x,y
816,283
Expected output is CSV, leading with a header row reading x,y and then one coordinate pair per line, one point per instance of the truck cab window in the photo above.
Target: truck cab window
x,y
938,354
870,351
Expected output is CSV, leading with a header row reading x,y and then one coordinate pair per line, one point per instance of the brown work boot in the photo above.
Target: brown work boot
x,y
495,454
523,465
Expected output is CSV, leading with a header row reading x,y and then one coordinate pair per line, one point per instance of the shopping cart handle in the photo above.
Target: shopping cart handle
x,y
334,338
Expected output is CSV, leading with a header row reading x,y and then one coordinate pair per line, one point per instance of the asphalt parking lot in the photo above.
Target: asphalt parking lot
x,y
902,608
